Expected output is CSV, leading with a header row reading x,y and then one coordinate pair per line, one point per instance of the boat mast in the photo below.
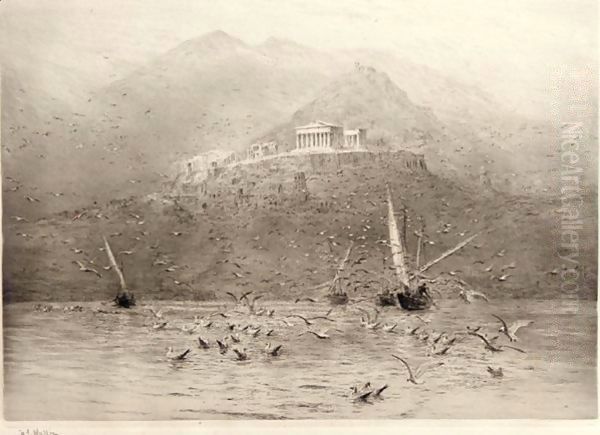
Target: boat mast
x,y
396,245
340,268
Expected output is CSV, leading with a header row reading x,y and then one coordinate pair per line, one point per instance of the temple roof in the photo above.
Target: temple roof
x,y
315,124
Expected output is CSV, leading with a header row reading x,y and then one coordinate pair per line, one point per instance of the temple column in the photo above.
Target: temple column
x,y
297,141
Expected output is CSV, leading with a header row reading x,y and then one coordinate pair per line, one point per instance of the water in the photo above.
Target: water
x,y
93,366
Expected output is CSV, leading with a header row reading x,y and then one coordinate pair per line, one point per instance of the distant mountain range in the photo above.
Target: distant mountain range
x,y
218,93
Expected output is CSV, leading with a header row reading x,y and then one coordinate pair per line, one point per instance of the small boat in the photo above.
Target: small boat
x,y
337,298
337,295
408,297
413,294
124,298
415,302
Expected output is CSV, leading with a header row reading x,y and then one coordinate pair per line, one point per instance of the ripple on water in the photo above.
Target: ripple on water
x,y
311,379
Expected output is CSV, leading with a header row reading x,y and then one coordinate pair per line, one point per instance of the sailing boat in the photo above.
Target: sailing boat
x,y
410,296
123,298
337,294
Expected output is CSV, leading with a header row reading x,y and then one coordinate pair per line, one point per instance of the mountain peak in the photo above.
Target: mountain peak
x,y
216,40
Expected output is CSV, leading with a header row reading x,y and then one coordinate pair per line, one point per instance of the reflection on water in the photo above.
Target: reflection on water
x,y
88,365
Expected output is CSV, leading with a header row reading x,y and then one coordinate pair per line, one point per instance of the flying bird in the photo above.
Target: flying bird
x,y
84,268
496,373
177,356
415,377
511,331
492,348
203,343
273,351
241,355
469,295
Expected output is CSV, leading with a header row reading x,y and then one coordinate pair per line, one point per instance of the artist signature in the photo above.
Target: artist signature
x,y
36,432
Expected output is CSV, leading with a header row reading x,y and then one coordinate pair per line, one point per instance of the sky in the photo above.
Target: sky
x,y
505,46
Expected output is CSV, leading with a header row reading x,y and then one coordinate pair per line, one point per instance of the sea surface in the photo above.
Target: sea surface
x,y
90,365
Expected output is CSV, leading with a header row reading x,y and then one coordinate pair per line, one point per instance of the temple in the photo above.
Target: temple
x,y
321,135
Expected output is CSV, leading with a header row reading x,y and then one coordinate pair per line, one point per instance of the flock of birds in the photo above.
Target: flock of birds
x,y
239,328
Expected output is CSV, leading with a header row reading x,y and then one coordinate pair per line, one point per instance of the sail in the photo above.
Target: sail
x,y
114,264
340,268
396,244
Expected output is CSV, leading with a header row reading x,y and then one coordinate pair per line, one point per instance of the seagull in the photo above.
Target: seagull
x,y
238,300
273,351
203,343
368,324
378,391
426,321
235,338
390,328
223,347
362,396
188,329
84,268
255,332
469,295
125,252
306,299
415,377
496,373
504,277
269,332
158,315
159,325
20,219
511,332
177,356
241,354
489,346
320,335
308,322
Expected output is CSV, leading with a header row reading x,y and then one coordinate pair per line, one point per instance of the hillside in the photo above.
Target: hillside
x,y
217,92
254,227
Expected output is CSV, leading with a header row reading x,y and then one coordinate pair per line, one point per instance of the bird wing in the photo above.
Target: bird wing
x,y
518,325
245,295
381,390
277,349
502,321
485,340
80,264
410,373
301,317
233,296
513,348
183,354
427,366
480,295
364,396
322,318
365,312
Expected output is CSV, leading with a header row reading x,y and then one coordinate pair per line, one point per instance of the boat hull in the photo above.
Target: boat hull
x,y
386,299
338,299
414,302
